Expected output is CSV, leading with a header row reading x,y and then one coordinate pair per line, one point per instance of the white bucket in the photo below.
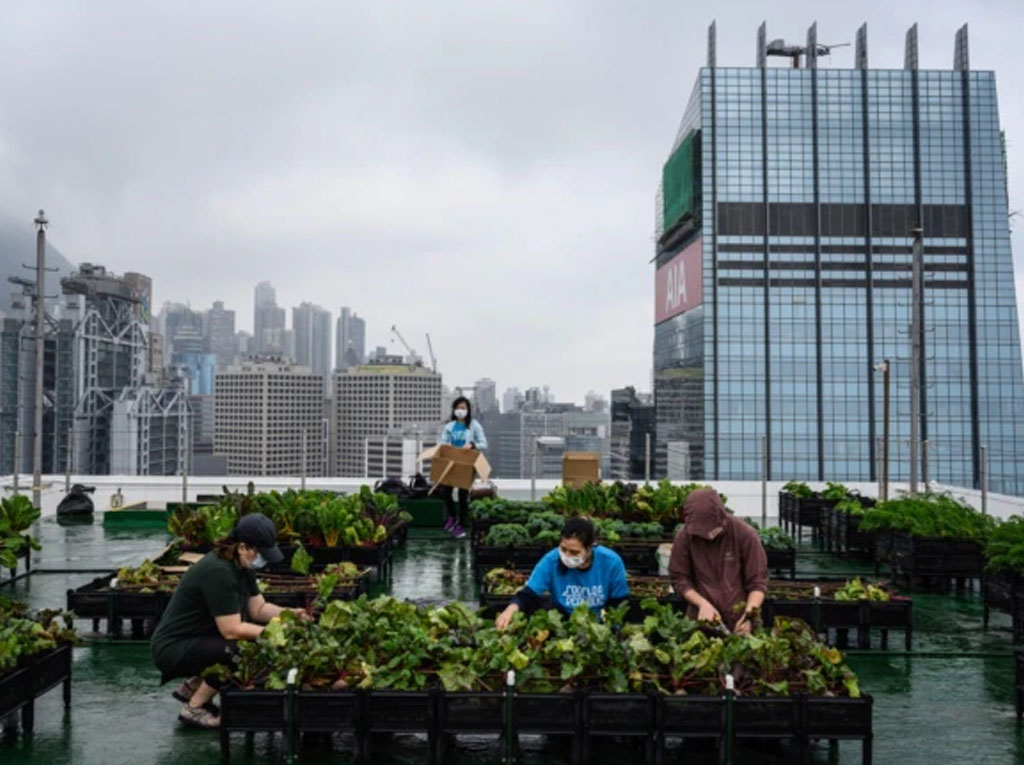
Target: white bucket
x,y
664,555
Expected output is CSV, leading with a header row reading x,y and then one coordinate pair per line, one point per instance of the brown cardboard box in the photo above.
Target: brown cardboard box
x,y
579,467
456,467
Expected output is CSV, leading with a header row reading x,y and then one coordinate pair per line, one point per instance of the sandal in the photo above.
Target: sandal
x,y
198,717
187,689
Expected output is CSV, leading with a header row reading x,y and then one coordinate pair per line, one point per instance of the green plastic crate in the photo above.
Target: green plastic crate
x,y
426,513
135,517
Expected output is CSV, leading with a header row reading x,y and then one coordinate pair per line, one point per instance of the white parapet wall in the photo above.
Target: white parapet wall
x,y
746,499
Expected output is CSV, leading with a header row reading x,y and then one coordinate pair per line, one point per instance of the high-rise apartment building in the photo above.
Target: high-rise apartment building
x,y
350,340
269,333
219,333
374,400
312,328
485,396
787,218
265,411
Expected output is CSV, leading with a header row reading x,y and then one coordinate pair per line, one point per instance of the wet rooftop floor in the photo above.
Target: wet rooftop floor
x,y
949,701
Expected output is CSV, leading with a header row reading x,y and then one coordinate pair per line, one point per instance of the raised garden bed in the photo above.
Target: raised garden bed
x,y
826,614
20,687
796,512
1004,590
935,562
782,562
841,534
98,601
1018,674
508,714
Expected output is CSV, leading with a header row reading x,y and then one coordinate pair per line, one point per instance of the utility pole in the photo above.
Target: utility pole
x,y
647,457
40,312
883,452
917,308
67,465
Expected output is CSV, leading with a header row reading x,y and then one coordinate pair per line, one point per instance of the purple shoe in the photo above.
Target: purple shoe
x,y
449,524
458,533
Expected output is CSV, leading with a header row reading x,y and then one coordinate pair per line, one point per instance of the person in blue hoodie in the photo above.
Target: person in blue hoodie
x,y
578,572
462,432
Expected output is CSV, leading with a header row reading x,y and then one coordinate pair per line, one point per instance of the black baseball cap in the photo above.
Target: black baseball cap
x,y
257,530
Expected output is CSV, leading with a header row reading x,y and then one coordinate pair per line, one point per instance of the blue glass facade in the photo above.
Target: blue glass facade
x,y
811,181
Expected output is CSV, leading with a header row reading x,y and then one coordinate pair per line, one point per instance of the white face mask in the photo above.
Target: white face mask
x,y
460,413
571,561
256,564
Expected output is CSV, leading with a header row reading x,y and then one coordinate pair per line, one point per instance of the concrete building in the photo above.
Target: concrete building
x,y
784,261
485,396
632,420
376,399
312,328
219,333
262,409
511,400
99,387
350,340
395,454
269,323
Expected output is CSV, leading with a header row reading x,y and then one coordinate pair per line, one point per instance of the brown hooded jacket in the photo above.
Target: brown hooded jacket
x,y
724,570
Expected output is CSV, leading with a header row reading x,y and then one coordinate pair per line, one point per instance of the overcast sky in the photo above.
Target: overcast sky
x,y
482,171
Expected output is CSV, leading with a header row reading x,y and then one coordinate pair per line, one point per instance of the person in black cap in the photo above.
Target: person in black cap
x,y
216,604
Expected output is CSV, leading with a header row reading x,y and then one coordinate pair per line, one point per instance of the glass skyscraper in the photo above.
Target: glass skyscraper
x,y
783,273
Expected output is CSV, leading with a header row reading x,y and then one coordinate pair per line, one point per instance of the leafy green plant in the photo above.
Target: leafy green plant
x,y
389,644
1005,548
850,507
24,634
929,515
508,535
855,589
772,537
800,490
16,515
836,492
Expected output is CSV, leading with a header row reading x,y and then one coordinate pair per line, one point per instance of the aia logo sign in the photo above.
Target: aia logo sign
x,y
677,285
675,291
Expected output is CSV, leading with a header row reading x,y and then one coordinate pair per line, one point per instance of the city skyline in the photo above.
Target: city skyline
x,y
234,200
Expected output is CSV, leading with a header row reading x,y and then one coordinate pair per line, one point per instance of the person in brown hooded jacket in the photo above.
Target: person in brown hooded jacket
x,y
717,562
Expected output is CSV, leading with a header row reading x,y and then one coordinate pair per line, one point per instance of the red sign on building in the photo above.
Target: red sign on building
x,y
678,285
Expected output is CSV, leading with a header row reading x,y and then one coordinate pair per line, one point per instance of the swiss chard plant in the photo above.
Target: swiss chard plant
x,y
16,516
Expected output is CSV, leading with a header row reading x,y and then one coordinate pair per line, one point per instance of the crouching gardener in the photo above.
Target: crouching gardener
x,y
718,563
578,572
216,604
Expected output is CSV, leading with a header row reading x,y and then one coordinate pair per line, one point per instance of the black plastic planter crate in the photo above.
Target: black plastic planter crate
x,y
1018,666
639,557
1004,590
782,561
847,534
522,558
22,686
837,716
471,712
766,716
15,689
256,711
399,711
690,715
328,711
936,558
548,713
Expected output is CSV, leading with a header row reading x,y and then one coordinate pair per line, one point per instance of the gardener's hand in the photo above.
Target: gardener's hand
x,y
743,626
505,617
303,614
707,612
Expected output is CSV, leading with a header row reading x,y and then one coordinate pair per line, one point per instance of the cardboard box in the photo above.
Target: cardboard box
x,y
457,467
579,467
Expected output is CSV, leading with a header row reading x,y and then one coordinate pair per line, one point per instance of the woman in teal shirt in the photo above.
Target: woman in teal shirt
x,y
461,432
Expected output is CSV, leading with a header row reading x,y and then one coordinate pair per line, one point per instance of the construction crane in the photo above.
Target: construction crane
x,y
416,359
778,47
433,360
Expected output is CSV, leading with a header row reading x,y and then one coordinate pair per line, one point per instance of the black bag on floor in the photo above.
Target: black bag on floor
x,y
77,503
